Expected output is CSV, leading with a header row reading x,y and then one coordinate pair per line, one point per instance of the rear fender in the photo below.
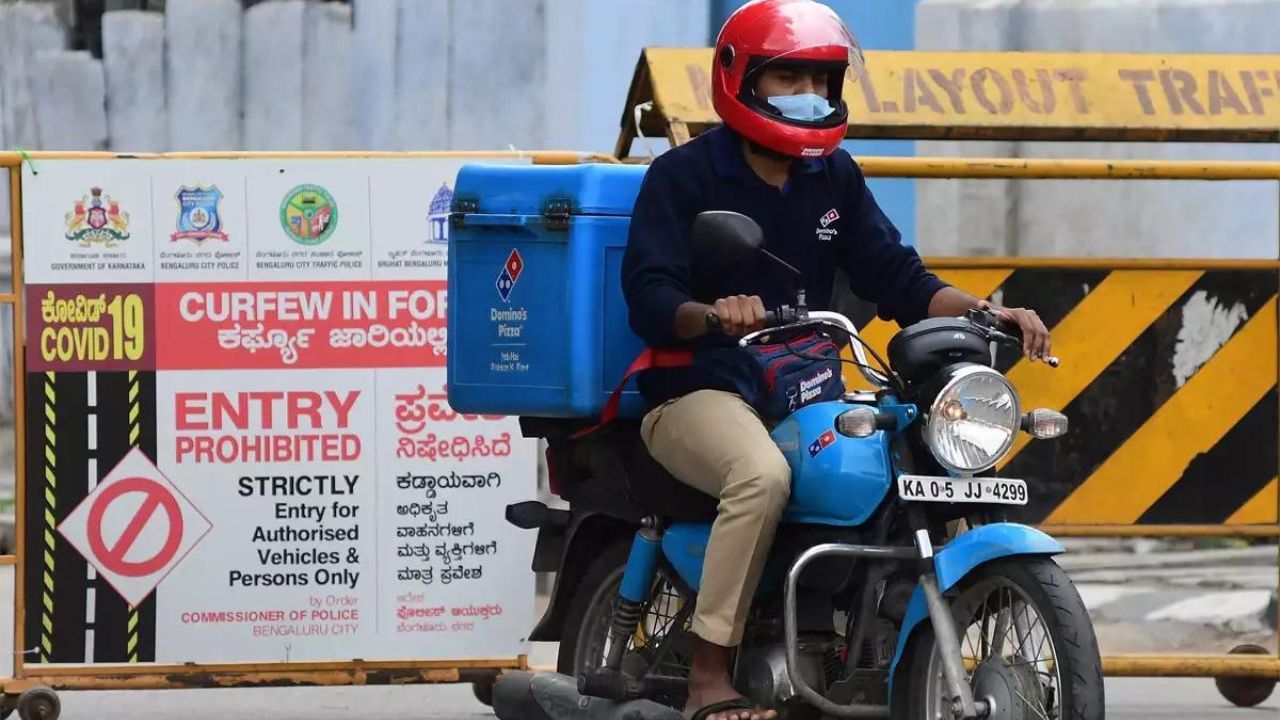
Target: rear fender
x,y
960,557
586,535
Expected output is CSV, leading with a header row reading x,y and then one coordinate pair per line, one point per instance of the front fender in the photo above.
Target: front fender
x,y
959,557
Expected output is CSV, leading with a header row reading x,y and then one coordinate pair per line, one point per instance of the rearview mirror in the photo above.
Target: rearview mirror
x,y
726,235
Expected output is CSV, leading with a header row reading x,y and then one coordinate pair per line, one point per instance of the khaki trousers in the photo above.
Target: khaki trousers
x,y
715,442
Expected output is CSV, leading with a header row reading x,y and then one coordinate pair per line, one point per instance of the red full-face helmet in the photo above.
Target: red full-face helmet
x,y
803,35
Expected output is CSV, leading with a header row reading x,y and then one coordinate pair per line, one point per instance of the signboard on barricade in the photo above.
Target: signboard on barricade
x,y
1001,95
238,443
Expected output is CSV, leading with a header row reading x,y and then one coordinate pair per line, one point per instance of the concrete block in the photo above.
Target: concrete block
x,y
968,24
203,74
375,42
133,60
70,100
1149,218
422,76
497,72
25,30
328,104
274,35
966,217
592,50
1070,217
1089,25
1237,219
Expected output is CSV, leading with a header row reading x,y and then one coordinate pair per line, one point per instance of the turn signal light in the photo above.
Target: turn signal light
x,y
858,422
1044,424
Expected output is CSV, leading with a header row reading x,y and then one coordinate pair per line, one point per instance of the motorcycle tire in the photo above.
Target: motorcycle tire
x,y
1043,586
586,598
590,616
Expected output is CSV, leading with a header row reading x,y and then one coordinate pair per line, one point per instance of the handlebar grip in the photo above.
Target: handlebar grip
x,y
770,317
1013,330
714,323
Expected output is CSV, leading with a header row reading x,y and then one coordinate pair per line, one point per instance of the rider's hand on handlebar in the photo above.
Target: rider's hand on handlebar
x,y
740,314
1035,336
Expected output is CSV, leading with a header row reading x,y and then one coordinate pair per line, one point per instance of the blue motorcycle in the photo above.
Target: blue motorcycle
x,y
896,587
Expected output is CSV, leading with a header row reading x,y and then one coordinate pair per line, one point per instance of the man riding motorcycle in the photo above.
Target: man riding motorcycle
x,y
778,74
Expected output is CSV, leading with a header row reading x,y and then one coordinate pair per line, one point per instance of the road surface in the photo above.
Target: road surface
x,y
1128,699
1192,602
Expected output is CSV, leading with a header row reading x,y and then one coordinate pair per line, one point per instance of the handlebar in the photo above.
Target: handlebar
x,y
789,318
1002,332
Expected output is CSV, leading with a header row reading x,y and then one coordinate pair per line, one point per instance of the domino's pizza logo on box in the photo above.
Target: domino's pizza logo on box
x,y
509,275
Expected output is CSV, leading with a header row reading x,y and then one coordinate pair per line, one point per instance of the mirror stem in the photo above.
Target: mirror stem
x,y
781,262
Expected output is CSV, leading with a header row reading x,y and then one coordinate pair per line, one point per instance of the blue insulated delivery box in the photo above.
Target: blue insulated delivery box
x,y
537,322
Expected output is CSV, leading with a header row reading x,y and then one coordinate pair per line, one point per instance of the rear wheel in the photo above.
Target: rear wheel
x,y
1027,644
585,643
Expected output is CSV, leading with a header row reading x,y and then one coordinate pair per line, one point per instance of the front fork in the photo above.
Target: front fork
x,y
945,633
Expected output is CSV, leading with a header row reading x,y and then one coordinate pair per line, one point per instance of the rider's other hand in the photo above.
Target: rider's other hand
x,y
740,314
1035,336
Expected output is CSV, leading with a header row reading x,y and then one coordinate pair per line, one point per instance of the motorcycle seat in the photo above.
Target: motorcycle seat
x,y
611,471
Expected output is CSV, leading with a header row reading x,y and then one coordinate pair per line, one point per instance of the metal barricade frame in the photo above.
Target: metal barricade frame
x,y
160,676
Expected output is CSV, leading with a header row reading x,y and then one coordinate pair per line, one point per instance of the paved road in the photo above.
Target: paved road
x,y
1205,604
1128,699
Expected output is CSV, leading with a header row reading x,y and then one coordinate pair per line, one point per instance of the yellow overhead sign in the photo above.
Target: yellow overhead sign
x,y
1008,95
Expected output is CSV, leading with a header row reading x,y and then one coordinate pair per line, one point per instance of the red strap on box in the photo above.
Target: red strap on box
x,y
646,360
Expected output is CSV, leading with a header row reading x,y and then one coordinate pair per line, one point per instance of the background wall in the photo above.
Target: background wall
x,y
553,74
1100,218
307,75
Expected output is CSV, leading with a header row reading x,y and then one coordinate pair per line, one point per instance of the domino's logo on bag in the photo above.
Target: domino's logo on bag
x,y
796,373
813,387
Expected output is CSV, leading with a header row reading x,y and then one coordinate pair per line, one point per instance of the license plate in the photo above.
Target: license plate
x,y
986,491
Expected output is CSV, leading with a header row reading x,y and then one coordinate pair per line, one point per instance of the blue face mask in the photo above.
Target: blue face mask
x,y
807,107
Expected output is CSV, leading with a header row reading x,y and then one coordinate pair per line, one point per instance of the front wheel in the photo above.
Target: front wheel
x,y
1027,644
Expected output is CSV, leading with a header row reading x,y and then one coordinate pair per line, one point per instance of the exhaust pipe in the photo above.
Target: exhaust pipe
x,y
552,696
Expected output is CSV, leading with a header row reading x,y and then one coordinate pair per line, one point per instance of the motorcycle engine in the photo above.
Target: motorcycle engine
x,y
762,672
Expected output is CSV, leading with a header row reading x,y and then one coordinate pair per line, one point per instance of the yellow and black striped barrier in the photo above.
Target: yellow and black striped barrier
x,y
1168,377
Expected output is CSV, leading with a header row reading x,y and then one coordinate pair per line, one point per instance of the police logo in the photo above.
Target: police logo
x,y
198,216
308,214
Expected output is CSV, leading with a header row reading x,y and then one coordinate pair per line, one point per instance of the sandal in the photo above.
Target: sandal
x,y
719,707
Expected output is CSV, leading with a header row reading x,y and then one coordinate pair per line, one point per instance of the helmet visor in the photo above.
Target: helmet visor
x,y
832,66
804,87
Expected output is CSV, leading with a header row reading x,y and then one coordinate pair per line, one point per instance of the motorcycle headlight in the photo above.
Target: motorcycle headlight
x,y
974,420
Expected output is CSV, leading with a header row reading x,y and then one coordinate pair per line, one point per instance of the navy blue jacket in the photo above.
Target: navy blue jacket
x,y
825,217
